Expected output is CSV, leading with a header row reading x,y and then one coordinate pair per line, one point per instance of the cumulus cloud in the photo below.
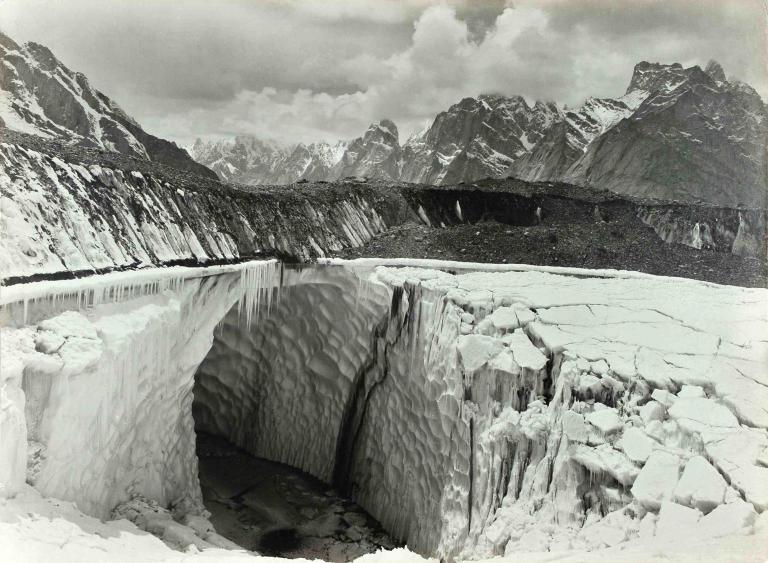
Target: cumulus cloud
x,y
303,70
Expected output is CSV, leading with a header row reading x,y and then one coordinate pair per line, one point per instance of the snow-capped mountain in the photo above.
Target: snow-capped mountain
x,y
374,155
476,138
567,139
245,160
39,95
677,133
248,160
695,137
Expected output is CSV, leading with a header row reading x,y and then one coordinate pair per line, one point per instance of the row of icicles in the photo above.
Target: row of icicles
x,y
257,282
259,286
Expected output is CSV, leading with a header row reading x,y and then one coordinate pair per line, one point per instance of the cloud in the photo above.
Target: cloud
x,y
301,70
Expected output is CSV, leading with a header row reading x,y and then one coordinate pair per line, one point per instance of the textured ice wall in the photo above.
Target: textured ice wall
x,y
740,232
279,389
508,412
62,216
649,417
97,396
473,415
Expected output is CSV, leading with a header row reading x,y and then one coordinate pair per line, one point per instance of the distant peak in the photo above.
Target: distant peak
x,y
715,71
650,77
385,125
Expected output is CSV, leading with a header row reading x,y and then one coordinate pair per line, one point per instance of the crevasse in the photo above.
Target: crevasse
x,y
472,414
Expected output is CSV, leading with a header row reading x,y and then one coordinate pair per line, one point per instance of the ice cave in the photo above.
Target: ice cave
x,y
462,411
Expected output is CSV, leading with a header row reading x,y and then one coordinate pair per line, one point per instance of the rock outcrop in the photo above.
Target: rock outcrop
x,y
476,138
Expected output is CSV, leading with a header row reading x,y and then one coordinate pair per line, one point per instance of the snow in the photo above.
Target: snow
x,y
606,420
636,444
700,413
674,518
657,480
701,486
474,444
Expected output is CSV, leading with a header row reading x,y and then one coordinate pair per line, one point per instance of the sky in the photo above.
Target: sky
x,y
310,70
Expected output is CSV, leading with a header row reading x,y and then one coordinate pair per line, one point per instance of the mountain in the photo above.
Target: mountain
x,y
677,134
374,155
244,160
39,95
476,138
251,161
696,137
312,162
248,160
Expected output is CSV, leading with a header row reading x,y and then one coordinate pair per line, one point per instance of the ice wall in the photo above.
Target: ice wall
x,y
741,232
58,216
473,414
279,389
493,413
96,383
597,410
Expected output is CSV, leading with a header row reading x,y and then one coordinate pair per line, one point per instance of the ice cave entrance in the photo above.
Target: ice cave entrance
x,y
278,403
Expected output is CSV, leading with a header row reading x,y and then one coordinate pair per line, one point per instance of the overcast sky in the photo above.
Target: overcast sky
x,y
305,70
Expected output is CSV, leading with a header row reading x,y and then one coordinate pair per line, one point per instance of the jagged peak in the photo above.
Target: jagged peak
x,y
546,104
7,42
44,56
650,77
386,126
715,71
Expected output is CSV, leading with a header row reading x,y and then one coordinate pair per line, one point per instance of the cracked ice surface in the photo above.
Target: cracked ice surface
x,y
611,454
554,414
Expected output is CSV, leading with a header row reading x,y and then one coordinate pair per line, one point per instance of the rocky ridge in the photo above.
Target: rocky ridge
x,y
40,95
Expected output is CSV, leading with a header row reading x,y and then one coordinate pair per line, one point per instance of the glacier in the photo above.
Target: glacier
x,y
474,410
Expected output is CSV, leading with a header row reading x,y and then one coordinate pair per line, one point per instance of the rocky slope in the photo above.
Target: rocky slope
x,y
699,138
72,209
565,142
40,95
477,138
374,155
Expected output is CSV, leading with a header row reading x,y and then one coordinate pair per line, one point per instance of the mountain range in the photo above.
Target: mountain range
x,y
685,134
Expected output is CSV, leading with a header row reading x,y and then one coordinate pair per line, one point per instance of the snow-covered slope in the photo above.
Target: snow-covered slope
x,y
41,96
548,412
566,141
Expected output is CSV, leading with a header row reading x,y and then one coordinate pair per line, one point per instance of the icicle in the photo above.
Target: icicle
x,y
257,282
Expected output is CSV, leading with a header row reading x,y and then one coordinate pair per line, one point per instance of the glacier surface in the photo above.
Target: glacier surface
x,y
563,414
